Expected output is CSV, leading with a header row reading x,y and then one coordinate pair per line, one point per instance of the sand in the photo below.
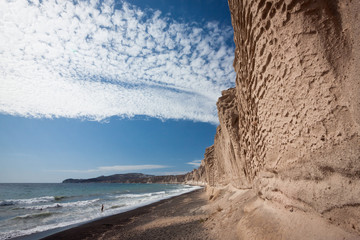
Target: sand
x,y
180,217
211,213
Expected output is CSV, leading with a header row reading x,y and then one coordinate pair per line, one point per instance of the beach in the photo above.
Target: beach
x,y
32,211
180,217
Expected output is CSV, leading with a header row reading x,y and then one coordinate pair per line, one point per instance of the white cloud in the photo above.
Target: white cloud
x,y
118,168
131,167
171,173
60,59
195,163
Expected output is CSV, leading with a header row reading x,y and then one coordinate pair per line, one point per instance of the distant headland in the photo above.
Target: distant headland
x,y
130,178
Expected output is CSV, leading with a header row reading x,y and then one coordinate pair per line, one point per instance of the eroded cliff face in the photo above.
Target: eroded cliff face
x,y
297,94
290,130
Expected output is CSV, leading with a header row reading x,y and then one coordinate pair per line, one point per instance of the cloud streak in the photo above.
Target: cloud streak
x,y
195,163
93,61
119,168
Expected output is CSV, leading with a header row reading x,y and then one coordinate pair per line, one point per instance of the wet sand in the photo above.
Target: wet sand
x,y
180,217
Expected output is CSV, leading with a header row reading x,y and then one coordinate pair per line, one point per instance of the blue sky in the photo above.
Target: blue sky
x,y
91,88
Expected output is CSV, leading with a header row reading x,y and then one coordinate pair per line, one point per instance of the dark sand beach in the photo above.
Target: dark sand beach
x,y
179,217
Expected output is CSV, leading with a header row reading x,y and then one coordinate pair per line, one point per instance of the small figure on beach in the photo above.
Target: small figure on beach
x,y
102,207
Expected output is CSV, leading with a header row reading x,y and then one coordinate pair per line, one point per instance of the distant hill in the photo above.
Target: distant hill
x,y
130,178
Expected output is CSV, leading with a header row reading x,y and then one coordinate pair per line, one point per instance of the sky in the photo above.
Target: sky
x,y
90,88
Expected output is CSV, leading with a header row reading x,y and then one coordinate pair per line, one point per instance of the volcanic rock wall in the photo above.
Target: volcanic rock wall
x,y
290,129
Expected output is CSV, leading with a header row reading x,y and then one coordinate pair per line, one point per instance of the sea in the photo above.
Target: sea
x,y
30,208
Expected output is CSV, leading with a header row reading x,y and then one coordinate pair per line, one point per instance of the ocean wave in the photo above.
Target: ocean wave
x,y
18,233
118,206
58,198
32,201
41,207
133,195
140,195
59,205
28,201
36,215
178,190
79,203
6,203
157,195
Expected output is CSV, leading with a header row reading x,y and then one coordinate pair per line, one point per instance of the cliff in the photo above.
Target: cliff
x,y
289,131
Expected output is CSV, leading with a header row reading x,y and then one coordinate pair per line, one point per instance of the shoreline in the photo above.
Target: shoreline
x,y
123,223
